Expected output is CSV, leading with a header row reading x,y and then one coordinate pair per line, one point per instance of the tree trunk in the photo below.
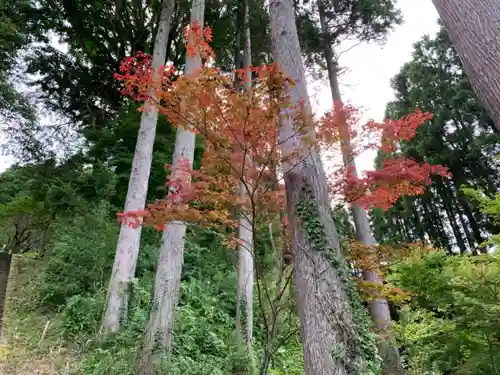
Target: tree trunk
x,y
160,326
471,218
474,30
417,221
328,330
452,218
434,224
379,308
5,261
238,63
245,232
127,249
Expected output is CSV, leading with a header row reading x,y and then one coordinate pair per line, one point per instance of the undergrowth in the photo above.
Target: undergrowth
x,y
54,306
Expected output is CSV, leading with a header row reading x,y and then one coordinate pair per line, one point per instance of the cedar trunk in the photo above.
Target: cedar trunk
x,y
474,30
5,262
379,308
160,326
325,314
127,248
245,230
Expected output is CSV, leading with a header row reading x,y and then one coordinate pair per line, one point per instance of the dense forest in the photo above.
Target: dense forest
x,y
169,209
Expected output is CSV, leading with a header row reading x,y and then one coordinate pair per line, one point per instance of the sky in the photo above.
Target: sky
x,y
366,83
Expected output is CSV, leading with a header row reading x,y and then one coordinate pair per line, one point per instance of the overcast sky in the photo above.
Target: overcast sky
x,y
370,68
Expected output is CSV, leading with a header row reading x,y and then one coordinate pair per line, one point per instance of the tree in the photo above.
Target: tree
x,y
158,335
16,32
379,308
348,20
127,248
245,230
327,319
472,27
490,206
100,34
305,185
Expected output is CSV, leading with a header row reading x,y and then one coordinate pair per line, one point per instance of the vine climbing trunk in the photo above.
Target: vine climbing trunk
x,y
127,248
474,30
328,325
245,229
160,326
5,263
379,308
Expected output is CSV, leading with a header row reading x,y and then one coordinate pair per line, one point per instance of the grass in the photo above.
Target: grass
x,y
32,342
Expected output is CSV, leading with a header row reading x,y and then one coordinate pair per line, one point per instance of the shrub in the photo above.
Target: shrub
x,y
80,258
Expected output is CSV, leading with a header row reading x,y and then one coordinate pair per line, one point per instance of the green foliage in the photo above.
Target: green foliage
x,y
35,196
118,354
489,206
81,313
17,112
452,325
115,145
79,259
18,217
79,84
16,30
67,287
460,137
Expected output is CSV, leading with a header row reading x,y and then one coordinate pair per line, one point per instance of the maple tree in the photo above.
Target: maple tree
x,y
399,175
208,103
237,125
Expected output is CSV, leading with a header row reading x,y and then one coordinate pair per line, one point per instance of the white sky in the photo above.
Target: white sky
x,y
370,68
366,84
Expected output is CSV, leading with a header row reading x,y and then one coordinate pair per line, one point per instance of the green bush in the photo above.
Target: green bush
x,y
69,286
81,314
452,324
79,260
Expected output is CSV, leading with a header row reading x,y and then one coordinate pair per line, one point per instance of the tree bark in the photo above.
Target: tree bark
x,y
5,262
326,318
160,326
127,249
379,308
238,62
474,30
245,231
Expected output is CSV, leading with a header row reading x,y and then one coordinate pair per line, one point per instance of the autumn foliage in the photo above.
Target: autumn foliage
x,y
240,130
398,176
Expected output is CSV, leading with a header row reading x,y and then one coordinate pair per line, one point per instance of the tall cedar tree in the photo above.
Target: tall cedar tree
x,y
473,28
379,308
325,313
159,330
127,248
244,294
